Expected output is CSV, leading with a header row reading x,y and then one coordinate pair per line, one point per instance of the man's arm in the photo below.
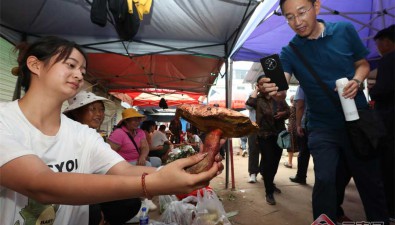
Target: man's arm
x,y
299,105
362,70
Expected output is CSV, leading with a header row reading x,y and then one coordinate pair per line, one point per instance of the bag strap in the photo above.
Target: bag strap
x,y
134,142
316,77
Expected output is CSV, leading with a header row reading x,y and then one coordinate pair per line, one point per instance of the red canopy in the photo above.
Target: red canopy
x,y
150,97
238,100
159,75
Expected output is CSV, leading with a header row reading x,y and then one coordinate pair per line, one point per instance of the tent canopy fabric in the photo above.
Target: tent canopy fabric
x,y
180,45
367,16
176,72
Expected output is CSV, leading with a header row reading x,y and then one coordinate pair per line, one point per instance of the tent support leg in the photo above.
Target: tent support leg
x,y
232,168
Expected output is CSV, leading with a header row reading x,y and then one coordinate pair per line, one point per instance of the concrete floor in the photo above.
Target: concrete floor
x,y
293,204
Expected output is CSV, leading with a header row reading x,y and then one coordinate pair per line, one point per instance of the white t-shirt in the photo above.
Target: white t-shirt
x,y
158,138
75,149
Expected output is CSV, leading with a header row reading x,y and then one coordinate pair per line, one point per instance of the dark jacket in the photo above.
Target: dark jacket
x,y
265,111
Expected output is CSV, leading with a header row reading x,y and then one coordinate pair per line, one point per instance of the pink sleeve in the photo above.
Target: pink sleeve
x,y
117,136
139,136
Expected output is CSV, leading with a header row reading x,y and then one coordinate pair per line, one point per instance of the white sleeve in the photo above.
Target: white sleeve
x,y
103,157
10,147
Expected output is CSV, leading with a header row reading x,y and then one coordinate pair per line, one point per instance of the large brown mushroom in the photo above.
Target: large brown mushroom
x,y
216,122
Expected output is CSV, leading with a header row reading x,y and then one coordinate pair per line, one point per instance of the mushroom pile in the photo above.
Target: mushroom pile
x,y
216,122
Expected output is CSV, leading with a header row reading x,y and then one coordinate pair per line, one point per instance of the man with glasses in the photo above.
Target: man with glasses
x,y
334,51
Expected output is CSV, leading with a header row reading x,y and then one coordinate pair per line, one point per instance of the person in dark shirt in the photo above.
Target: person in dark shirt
x,y
383,95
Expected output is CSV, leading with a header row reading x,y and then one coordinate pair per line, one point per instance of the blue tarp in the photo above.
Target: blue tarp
x,y
367,16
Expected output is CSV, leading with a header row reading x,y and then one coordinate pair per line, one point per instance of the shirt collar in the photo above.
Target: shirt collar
x,y
328,31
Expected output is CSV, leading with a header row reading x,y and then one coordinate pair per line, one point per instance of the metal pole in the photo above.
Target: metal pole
x,y
229,149
232,168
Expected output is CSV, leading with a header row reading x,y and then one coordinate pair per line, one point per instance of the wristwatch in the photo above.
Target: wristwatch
x,y
361,86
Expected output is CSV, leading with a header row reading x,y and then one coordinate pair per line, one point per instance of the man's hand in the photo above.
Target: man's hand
x,y
300,131
351,89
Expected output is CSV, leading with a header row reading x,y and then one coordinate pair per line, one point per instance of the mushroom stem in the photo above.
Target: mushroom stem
x,y
211,146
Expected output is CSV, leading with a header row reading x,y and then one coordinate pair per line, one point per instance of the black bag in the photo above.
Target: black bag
x,y
365,133
99,12
126,24
163,104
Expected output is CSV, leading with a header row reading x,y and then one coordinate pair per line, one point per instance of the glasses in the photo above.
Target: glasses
x,y
301,15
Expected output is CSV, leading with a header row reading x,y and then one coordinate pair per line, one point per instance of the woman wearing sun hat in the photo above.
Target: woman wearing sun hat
x,y
90,109
130,141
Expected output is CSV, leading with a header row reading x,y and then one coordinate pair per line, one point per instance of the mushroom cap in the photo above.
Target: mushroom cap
x,y
207,118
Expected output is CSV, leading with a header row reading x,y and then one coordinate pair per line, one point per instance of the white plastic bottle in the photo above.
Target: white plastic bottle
x,y
348,104
144,220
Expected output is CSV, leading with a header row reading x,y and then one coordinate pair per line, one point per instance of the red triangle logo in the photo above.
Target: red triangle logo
x,y
323,220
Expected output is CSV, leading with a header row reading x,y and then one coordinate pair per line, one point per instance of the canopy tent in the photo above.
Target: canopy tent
x,y
151,97
181,45
273,32
217,98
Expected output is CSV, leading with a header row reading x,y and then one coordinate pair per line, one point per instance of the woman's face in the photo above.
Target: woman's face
x,y
92,114
65,76
132,123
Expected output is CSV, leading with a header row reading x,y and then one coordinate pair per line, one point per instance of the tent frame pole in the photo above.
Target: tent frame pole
x,y
228,101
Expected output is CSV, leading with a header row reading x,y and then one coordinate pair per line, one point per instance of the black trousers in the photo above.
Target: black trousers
x,y
253,154
114,212
271,155
303,157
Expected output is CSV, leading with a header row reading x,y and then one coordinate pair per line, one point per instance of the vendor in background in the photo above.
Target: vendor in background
x,y
92,110
169,134
130,141
160,145
176,128
193,139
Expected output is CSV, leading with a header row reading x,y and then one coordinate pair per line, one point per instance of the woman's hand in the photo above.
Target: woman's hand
x,y
181,181
280,115
141,161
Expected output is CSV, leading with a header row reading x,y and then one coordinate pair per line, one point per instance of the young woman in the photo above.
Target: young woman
x,y
48,161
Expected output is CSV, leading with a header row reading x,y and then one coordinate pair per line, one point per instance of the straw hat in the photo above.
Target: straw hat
x,y
130,113
85,98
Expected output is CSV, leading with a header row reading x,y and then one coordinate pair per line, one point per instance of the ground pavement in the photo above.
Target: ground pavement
x,y
293,206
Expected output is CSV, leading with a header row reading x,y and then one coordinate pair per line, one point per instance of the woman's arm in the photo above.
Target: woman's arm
x,y
42,184
114,146
144,151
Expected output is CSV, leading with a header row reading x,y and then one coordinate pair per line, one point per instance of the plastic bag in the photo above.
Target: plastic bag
x,y
164,201
180,212
209,210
